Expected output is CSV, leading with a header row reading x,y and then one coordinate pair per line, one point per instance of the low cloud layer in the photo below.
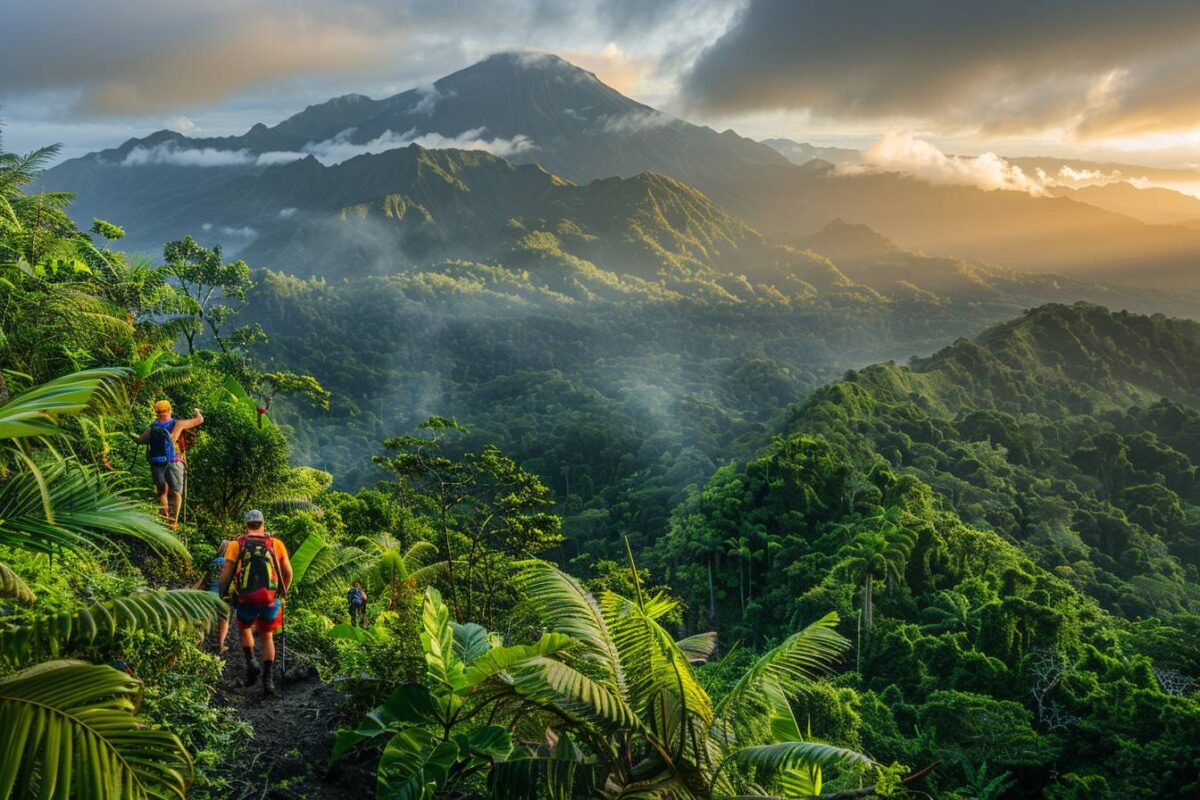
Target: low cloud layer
x,y
1090,68
906,154
331,151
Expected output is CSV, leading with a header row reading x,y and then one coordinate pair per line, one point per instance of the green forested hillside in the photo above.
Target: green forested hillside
x,y
1017,514
974,576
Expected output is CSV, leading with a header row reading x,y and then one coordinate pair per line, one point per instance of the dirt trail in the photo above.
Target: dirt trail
x,y
293,737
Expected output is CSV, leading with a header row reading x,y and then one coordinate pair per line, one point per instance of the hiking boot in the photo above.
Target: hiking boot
x,y
268,679
253,670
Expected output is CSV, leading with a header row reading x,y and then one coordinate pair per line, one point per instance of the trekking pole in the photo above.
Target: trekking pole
x,y
282,645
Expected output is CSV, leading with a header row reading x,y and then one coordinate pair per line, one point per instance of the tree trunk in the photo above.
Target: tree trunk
x,y
712,597
868,588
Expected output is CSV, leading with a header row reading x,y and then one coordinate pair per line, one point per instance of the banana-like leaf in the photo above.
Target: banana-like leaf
x,y
300,560
787,755
65,506
444,670
70,732
160,610
11,585
36,412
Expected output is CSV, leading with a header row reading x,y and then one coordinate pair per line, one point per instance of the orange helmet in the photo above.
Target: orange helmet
x,y
162,407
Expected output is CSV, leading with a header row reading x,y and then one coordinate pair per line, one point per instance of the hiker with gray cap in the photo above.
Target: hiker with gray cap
x,y
257,565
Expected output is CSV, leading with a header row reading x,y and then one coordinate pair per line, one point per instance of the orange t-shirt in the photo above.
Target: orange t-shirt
x,y
281,554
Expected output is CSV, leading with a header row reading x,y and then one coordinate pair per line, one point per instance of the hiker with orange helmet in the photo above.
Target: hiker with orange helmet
x,y
166,464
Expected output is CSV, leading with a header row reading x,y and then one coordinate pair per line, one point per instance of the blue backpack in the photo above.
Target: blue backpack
x,y
162,446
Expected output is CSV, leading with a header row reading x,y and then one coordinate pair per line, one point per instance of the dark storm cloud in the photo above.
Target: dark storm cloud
x,y
1098,67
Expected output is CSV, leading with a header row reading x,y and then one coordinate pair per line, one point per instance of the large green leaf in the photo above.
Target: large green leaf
x,y
70,732
36,412
557,685
409,705
160,611
300,560
470,640
353,633
486,741
413,766
444,670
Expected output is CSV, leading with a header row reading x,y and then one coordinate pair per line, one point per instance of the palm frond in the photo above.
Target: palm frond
x,y
565,606
699,647
786,755
548,682
70,732
11,585
67,507
160,611
36,412
800,658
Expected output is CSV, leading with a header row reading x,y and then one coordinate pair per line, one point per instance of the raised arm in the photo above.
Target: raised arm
x,y
183,424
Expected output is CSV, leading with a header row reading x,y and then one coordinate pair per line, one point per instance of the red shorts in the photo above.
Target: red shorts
x,y
264,619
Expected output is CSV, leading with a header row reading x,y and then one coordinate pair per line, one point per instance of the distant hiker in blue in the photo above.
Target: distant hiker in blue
x,y
357,599
166,464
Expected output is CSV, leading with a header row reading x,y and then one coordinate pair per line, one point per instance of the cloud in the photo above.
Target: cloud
x,y
169,153
902,152
430,97
635,121
334,150
340,148
286,213
1092,68
621,70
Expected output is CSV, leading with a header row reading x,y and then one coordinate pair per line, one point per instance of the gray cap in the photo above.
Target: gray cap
x,y
254,516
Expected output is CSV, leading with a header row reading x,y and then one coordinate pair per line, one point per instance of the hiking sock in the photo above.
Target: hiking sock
x,y
252,667
268,681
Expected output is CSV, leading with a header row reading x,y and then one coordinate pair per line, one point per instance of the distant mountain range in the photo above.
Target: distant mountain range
x,y
532,140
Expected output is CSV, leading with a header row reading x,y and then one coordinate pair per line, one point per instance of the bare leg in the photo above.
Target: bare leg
x,y
222,635
177,503
163,500
248,638
268,647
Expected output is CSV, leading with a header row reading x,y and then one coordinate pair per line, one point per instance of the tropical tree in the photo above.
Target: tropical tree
x,y
396,567
879,553
488,511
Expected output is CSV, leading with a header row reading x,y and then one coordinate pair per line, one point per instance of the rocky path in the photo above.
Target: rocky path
x,y
293,736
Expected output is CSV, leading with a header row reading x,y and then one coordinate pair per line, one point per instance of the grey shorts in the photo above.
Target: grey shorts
x,y
169,474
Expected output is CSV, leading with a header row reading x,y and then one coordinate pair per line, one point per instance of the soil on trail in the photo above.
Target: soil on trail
x,y
293,736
